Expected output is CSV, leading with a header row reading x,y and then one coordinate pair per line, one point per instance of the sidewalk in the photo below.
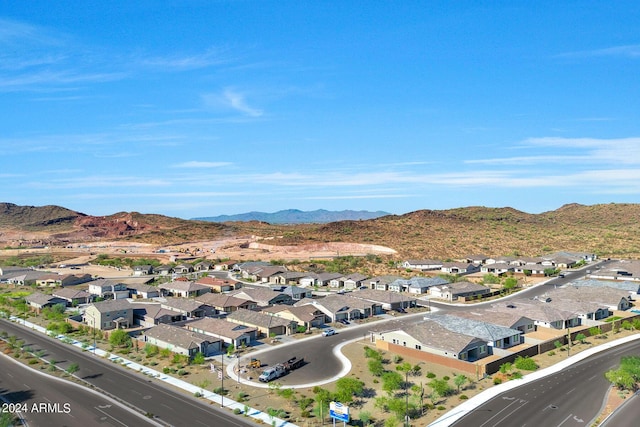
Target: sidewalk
x,y
190,388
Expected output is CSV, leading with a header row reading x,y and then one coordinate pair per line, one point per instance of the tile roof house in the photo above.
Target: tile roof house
x,y
339,307
182,341
72,296
381,283
219,285
265,323
353,280
431,337
189,308
297,293
633,288
228,332
142,270
184,289
384,300
459,268
543,314
54,279
262,296
422,264
225,303
591,302
109,314
325,278
106,288
455,290
37,301
150,314
495,335
512,320
140,290
306,315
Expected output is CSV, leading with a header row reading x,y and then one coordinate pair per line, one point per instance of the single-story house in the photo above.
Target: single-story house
x,y
262,296
225,303
189,308
495,335
266,324
459,268
38,301
381,283
203,266
384,300
455,290
150,314
184,289
219,285
542,313
422,264
140,290
431,337
142,270
297,293
72,296
182,341
305,315
229,332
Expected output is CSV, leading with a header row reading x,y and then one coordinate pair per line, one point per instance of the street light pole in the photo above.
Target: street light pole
x,y
406,394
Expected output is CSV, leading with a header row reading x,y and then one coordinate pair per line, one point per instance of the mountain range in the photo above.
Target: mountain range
x,y
606,229
295,216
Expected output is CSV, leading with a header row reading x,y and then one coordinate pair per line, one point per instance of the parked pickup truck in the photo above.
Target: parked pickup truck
x,y
276,371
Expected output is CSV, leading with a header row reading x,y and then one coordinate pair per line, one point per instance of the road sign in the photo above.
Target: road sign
x,y
339,411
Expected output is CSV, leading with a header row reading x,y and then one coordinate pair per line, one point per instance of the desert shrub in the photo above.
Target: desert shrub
x,y
463,397
497,380
525,363
431,375
237,411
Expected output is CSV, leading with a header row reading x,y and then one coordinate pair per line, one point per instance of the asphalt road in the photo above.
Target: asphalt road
x,y
43,400
572,397
148,396
627,415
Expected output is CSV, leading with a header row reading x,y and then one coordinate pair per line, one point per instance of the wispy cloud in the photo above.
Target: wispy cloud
x,y
212,57
232,99
627,51
197,164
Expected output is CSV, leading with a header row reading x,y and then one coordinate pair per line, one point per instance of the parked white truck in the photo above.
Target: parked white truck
x,y
276,371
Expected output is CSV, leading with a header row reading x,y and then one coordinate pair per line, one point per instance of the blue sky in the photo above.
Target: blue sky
x,y
201,108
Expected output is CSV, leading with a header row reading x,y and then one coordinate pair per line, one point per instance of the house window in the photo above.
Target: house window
x,y
463,356
394,341
404,343
418,347
483,349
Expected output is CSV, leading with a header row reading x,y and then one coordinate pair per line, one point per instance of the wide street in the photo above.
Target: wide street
x,y
43,400
571,397
146,395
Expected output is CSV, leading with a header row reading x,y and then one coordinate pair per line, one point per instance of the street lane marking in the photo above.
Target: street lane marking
x,y
571,391
565,420
114,418
502,410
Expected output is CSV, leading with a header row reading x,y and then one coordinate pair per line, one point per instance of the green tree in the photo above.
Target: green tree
x,y
231,349
510,283
594,331
376,367
120,338
365,417
490,279
460,380
441,387
581,337
391,381
198,358
347,388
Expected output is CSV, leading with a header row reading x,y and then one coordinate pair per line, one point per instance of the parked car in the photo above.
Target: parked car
x,y
328,332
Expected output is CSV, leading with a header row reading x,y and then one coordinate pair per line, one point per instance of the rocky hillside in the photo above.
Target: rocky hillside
x,y
607,229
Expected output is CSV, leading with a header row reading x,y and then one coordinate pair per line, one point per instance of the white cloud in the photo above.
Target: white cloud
x,y
232,99
213,56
